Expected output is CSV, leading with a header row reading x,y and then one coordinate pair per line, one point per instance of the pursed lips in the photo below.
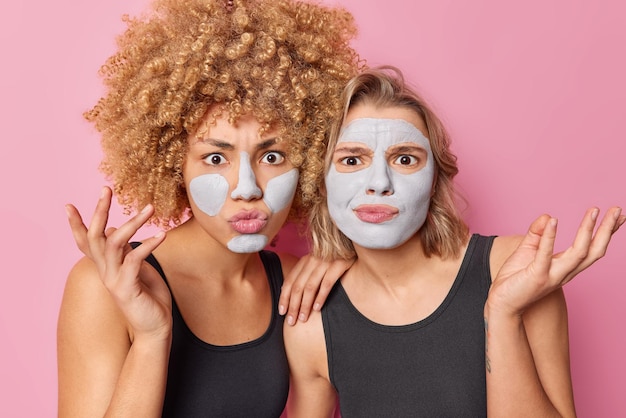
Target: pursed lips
x,y
248,222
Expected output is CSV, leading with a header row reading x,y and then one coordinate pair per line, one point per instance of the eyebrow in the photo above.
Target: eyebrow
x,y
268,143
352,149
407,148
218,143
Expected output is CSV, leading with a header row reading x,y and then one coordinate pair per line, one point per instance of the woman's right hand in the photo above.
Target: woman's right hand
x,y
137,288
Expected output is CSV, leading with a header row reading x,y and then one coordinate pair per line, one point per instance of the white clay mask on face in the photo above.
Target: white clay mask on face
x,y
209,193
378,206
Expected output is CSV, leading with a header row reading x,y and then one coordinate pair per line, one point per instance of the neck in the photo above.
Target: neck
x,y
398,265
190,250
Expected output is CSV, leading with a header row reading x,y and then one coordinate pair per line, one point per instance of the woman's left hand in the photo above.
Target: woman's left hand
x,y
533,270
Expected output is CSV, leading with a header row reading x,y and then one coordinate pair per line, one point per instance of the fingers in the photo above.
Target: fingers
x,y
587,247
545,249
309,292
79,230
148,245
322,278
598,244
306,278
118,237
127,276
535,232
95,233
610,223
334,272
620,221
308,286
285,292
117,249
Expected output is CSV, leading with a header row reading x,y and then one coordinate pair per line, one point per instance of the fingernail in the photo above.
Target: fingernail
x,y
290,320
618,212
145,208
159,234
553,222
281,309
302,317
317,307
67,210
103,192
594,214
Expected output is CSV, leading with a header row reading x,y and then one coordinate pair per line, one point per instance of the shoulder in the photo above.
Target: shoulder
x,y
311,330
83,282
87,301
502,248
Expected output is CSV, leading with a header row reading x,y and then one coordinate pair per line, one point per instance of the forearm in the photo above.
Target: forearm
x,y
140,389
513,384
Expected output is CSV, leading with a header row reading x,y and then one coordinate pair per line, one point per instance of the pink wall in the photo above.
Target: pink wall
x,y
532,92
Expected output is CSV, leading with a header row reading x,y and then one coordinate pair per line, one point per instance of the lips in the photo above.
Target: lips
x,y
248,222
375,214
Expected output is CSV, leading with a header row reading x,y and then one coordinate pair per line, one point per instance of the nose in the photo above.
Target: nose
x,y
379,181
247,188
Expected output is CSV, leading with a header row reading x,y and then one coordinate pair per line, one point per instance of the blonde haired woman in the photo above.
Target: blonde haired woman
x,y
430,320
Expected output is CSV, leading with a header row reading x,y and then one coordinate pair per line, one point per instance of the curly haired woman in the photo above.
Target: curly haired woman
x,y
213,125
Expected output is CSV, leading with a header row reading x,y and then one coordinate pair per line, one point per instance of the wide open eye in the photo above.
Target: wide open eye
x,y
215,159
405,160
273,157
351,161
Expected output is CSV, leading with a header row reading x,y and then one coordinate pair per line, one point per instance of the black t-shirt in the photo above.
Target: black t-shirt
x,y
432,368
243,380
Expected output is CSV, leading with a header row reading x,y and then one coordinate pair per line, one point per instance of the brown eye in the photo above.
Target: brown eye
x,y
351,161
215,159
273,157
406,160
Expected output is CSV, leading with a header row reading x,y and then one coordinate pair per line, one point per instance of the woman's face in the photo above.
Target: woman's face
x,y
240,184
381,175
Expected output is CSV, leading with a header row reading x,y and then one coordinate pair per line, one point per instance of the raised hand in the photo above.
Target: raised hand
x,y
307,286
533,270
135,285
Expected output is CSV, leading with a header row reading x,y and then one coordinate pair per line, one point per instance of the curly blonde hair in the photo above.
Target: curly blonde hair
x,y
444,231
283,61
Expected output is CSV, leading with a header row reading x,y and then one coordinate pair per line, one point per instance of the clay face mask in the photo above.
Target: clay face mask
x,y
372,197
209,193
278,194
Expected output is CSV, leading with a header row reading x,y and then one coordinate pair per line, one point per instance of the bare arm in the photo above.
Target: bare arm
x,y
114,330
527,349
100,372
311,394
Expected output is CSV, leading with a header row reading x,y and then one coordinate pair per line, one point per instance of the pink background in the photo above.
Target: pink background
x,y
533,94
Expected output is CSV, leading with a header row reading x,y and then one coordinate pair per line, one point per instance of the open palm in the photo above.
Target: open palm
x,y
534,270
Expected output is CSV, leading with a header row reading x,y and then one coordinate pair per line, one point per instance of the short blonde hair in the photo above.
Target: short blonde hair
x,y
444,232
283,61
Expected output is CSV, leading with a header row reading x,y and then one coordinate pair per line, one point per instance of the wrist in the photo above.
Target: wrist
x,y
495,310
161,337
